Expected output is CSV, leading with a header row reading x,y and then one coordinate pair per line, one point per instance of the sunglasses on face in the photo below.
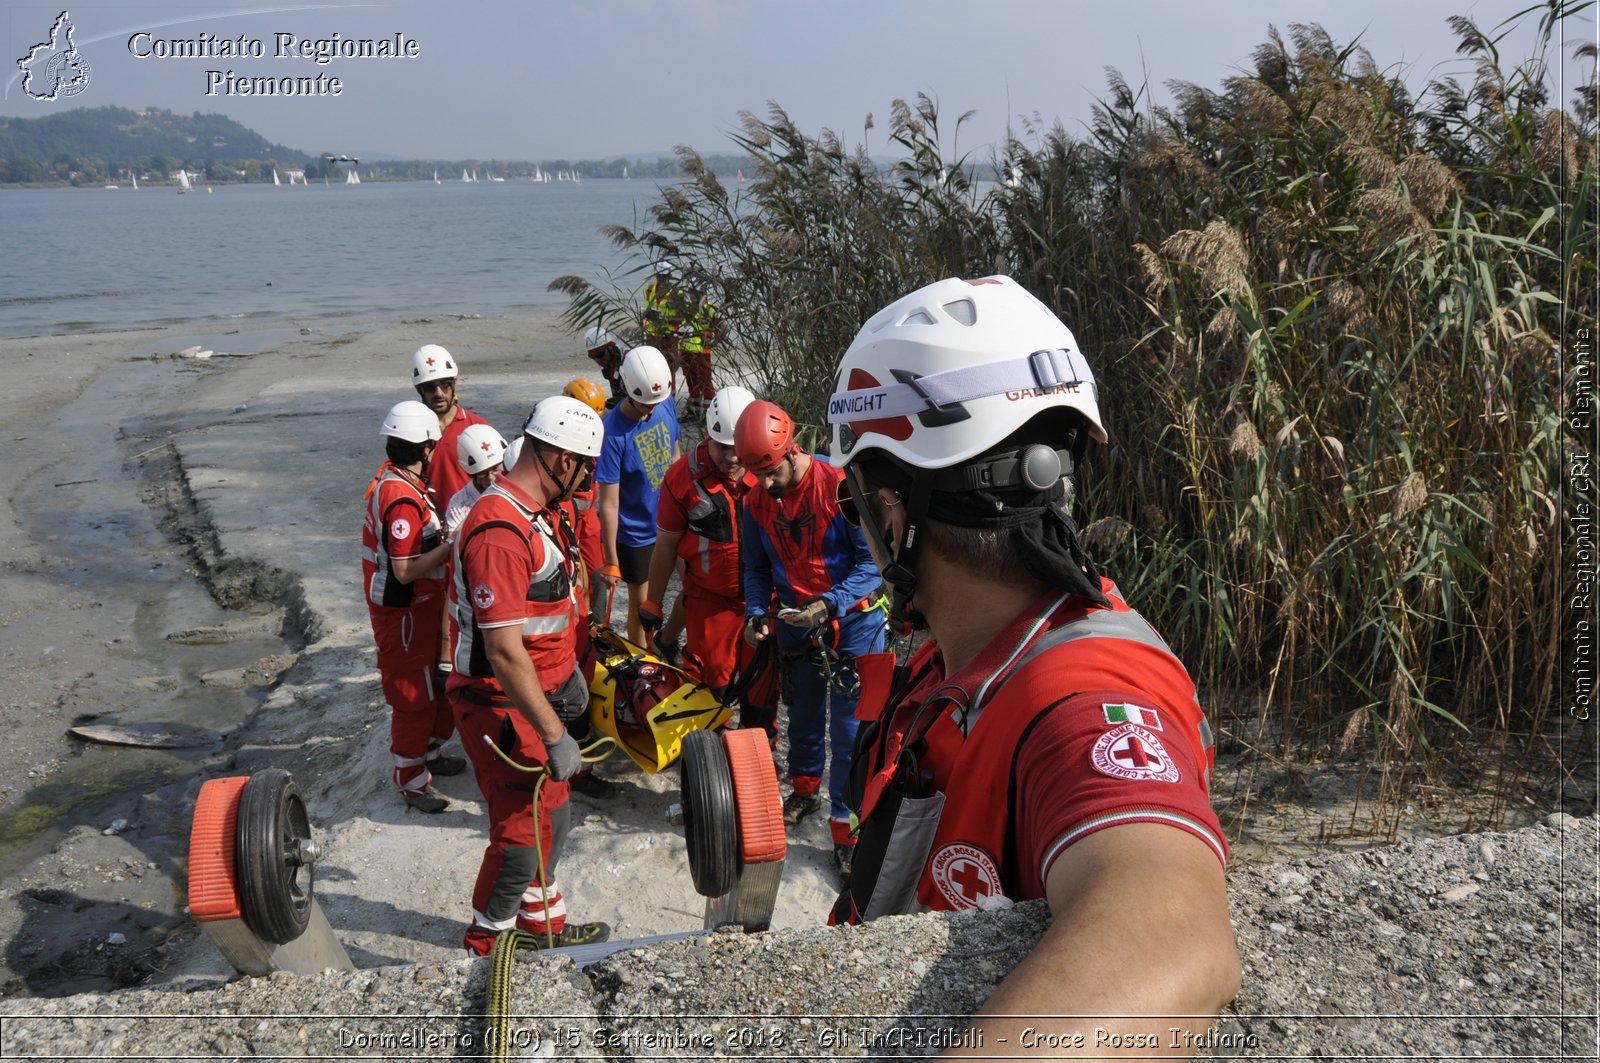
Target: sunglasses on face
x,y
845,496
438,385
851,498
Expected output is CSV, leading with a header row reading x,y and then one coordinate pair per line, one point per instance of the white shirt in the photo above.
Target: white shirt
x,y
460,505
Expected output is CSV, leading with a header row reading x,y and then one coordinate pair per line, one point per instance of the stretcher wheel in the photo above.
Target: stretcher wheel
x,y
762,838
274,852
710,824
213,873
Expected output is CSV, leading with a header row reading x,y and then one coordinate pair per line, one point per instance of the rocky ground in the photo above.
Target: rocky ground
x,y
1480,946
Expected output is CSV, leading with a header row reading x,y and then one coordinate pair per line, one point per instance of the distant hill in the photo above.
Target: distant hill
x,y
89,146
118,134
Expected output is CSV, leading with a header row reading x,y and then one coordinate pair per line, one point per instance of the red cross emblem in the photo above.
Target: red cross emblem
x,y
966,875
482,596
969,878
655,387
430,361
1130,752
484,446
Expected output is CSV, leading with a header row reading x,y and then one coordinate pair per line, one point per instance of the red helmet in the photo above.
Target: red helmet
x,y
764,436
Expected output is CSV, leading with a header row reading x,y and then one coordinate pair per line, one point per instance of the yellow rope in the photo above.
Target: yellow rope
x,y
502,959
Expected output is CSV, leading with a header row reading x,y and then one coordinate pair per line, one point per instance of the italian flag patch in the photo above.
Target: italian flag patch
x,y
1133,714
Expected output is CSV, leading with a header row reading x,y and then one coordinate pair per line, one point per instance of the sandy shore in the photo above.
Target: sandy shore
x,y
146,486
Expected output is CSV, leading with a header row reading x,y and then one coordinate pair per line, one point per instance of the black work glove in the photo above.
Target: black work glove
x,y
650,617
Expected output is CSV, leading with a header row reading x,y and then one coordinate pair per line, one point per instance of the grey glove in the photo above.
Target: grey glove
x,y
565,759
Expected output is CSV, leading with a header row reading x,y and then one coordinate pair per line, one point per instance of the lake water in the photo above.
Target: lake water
x,y
95,259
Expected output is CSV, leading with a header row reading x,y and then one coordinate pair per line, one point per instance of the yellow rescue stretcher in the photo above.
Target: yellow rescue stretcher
x,y
645,704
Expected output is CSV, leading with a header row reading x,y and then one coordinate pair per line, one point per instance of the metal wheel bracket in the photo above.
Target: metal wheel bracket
x,y
731,804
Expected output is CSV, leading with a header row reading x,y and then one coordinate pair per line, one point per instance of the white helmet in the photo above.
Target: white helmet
x,y
724,411
411,421
646,377
513,452
566,423
479,448
986,349
595,338
431,362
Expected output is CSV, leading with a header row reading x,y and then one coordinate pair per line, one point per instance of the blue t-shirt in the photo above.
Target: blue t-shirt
x,y
635,456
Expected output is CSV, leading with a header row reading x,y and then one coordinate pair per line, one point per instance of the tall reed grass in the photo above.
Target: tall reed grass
x,y
1327,318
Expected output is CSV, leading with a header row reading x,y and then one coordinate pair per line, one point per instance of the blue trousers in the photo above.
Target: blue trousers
x,y
822,724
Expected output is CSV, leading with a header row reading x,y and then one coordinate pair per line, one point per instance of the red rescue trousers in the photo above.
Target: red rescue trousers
x,y
419,716
509,796
714,636
697,374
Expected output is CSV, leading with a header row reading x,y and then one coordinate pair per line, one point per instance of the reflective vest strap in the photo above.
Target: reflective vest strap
x,y
415,504
379,590
1099,624
546,625
475,661
485,526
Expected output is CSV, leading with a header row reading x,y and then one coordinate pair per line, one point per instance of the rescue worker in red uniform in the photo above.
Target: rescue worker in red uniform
x,y
796,547
585,518
582,524
516,684
403,549
1044,737
697,525
434,374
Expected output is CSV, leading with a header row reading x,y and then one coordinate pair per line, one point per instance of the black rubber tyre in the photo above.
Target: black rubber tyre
x,y
710,817
274,883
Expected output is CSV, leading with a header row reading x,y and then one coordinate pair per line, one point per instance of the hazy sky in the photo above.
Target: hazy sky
x,y
600,78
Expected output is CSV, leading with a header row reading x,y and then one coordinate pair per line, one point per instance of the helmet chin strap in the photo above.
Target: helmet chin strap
x,y
900,573
566,485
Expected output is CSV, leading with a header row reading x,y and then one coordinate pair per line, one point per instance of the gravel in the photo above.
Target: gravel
x,y
1476,945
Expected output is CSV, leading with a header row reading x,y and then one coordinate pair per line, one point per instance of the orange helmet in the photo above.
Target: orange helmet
x,y
587,392
764,436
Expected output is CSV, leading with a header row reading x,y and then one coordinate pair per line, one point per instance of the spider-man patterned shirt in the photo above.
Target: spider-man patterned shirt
x,y
801,545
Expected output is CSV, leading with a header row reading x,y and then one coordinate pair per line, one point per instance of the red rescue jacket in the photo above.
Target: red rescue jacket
x,y
936,806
